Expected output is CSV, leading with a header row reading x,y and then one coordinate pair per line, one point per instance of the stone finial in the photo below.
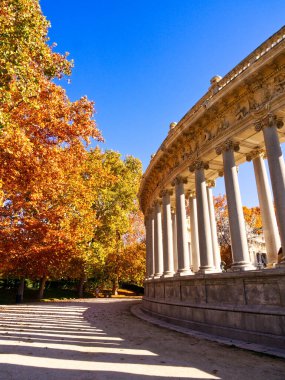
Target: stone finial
x,y
172,125
215,79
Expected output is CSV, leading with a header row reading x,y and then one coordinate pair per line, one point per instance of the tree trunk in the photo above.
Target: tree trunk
x,y
115,286
20,291
42,287
81,286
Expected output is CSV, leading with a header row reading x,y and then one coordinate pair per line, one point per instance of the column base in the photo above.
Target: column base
x,y
168,274
242,266
183,272
207,270
280,265
157,275
270,265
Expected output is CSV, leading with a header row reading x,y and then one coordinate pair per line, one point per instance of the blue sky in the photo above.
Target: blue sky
x,y
145,63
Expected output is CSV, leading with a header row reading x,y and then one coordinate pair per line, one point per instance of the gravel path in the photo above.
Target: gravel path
x,y
101,340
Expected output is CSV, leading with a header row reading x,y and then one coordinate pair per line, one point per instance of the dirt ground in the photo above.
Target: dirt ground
x,y
100,339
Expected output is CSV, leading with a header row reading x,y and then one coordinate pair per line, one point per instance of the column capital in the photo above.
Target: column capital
x,y
197,165
149,212
227,145
156,203
179,179
211,183
258,152
269,120
165,192
192,194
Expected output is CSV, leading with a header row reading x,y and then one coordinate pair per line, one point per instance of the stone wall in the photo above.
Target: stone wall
x,y
249,305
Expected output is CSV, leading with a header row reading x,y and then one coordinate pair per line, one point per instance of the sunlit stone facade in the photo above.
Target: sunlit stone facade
x,y
240,118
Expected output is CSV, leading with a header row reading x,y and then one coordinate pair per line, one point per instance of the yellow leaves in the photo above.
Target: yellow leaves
x,y
47,216
62,204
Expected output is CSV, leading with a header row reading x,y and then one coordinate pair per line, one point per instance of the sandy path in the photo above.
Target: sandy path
x,y
101,339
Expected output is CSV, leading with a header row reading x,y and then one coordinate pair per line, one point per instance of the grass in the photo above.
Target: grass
x,y
8,296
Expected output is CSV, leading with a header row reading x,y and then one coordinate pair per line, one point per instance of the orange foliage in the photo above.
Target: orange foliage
x,y
43,137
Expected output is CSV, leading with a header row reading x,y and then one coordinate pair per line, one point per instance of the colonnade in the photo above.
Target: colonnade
x,y
166,229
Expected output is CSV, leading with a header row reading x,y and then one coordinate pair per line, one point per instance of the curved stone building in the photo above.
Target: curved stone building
x,y
240,118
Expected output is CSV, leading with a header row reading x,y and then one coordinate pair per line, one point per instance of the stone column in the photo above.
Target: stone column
x,y
215,244
269,125
182,241
194,232
204,229
167,235
241,260
174,235
148,239
158,253
151,243
269,225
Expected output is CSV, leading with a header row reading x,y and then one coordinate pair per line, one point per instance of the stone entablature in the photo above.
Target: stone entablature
x,y
234,109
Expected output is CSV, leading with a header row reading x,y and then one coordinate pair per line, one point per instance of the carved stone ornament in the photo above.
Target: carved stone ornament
x,y
224,124
179,179
197,165
241,112
149,212
254,154
165,192
270,120
211,183
157,203
227,145
192,194
279,83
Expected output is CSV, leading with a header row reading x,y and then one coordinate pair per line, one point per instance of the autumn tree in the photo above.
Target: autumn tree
x,y
253,224
223,228
115,206
43,137
65,210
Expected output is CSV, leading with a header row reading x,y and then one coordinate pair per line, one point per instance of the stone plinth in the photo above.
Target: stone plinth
x,y
248,306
